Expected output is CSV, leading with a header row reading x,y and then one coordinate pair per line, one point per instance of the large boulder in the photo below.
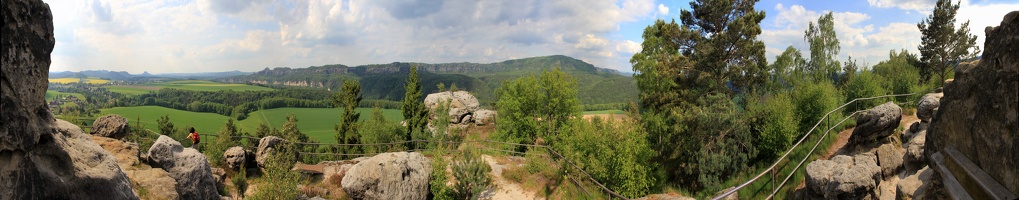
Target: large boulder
x,y
928,106
979,114
461,104
155,182
844,177
40,157
186,165
876,123
126,152
914,186
890,159
483,116
398,175
111,126
914,148
237,157
267,147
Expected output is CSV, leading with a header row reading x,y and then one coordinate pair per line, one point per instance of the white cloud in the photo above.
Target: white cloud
x,y
663,10
864,42
205,35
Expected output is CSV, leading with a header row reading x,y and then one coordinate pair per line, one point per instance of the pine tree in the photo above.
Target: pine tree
x,y
347,131
413,109
942,44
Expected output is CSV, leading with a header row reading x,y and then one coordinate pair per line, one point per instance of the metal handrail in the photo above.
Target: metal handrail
x,y
786,154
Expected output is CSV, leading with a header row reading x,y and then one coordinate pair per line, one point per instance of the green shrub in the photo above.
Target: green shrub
x,y
471,174
240,181
279,182
813,101
377,129
223,140
774,124
616,154
438,178
866,84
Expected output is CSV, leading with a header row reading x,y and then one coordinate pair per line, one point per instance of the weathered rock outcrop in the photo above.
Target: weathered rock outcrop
x,y
979,114
111,126
483,116
186,165
914,186
890,159
267,147
40,157
844,177
877,123
155,181
915,146
398,175
463,107
237,157
928,106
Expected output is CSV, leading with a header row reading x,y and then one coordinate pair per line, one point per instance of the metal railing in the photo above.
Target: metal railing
x,y
772,168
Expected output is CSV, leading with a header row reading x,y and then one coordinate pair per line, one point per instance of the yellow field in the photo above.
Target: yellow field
x,y
75,80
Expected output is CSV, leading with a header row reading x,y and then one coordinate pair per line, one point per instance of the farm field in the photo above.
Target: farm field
x,y
196,85
50,95
317,123
75,80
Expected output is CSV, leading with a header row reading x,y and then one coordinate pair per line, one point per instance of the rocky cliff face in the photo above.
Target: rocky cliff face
x,y
978,113
40,157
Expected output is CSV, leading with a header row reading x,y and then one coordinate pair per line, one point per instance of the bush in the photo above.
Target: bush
x,y
813,101
223,140
471,174
864,85
240,181
773,123
280,182
437,179
616,154
377,129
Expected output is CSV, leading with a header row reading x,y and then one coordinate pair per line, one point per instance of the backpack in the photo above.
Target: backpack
x,y
196,138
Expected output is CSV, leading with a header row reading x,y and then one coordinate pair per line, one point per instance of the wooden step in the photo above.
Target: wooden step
x,y
974,180
955,190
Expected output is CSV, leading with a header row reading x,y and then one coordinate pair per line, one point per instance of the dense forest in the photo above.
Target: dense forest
x,y
598,86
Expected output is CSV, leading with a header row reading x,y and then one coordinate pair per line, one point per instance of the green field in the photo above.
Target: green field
x,y
317,123
196,85
50,94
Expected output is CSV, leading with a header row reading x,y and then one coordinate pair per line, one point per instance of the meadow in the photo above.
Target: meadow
x,y
317,123
195,85
50,95
75,80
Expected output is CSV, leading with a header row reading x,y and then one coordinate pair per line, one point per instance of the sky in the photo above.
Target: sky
x,y
187,36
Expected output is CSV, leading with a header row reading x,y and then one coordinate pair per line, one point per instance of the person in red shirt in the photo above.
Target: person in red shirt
x,y
195,138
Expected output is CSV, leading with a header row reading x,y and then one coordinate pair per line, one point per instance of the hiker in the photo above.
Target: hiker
x,y
195,138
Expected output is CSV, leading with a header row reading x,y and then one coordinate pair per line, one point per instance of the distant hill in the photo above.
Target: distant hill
x,y
125,76
385,81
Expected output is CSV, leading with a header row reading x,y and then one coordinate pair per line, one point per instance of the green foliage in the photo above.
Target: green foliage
x,y
347,129
240,181
812,101
774,124
724,144
379,130
438,178
280,181
824,46
725,45
616,154
866,84
441,120
786,66
223,140
413,110
552,97
471,174
900,74
942,44
167,128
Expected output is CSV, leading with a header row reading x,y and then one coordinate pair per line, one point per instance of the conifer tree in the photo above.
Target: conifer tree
x,y
413,109
943,45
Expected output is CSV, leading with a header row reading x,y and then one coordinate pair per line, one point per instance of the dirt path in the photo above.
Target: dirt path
x,y
504,190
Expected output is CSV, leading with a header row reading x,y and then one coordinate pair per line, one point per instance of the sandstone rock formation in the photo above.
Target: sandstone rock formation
x,y
877,123
111,126
237,157
463,107
979,113
890,159
914,186
397,175
186,165
40,157
928,106
844,177
915,146
483,116
267,147
156,182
